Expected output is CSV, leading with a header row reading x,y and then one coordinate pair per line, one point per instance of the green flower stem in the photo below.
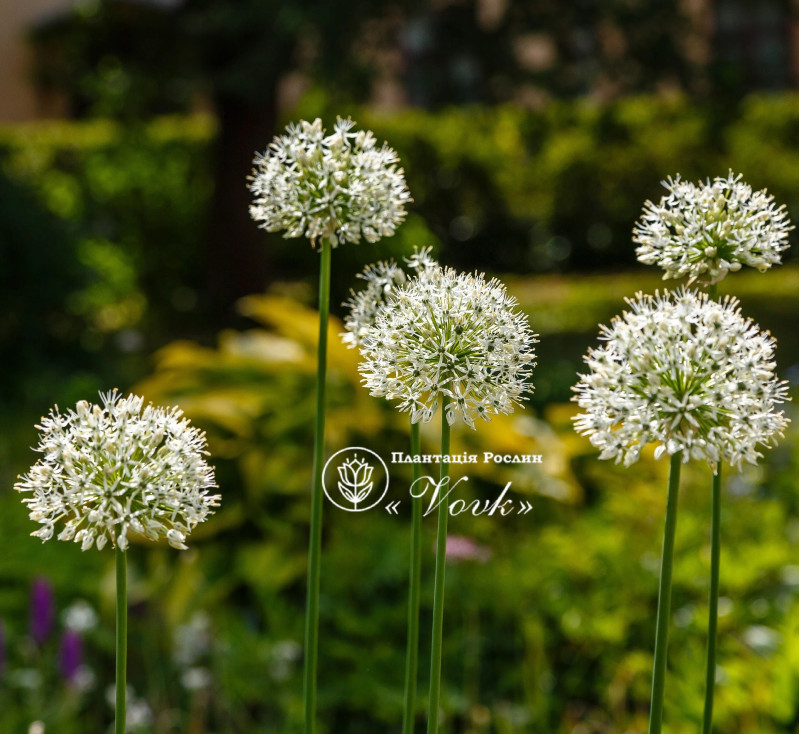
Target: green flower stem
x,y
664,598
122,640
713,593
315,533
713,597
412,652
438,586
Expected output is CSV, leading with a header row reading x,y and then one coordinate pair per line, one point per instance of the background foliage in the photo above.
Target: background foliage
x,y
125,209
551,633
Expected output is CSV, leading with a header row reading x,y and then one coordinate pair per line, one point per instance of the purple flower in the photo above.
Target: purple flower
x,y
42,610
71,655
461,548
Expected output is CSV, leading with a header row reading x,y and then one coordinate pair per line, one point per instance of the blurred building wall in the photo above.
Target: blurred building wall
x,y
729,46
19,99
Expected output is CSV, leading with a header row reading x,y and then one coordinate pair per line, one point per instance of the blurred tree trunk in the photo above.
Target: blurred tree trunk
x,y
237,257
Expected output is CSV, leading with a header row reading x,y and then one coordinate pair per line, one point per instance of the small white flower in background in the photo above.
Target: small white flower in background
x,y
342,187
192,640
449,334
195,679
382,279
706,230
79,616
36,727
138,713
684,372
112,468
283,656
84,679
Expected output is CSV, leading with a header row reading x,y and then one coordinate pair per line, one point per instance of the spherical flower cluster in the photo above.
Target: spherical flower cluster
x,y
111,468
381,278
706,230
340,187
685,372
449,335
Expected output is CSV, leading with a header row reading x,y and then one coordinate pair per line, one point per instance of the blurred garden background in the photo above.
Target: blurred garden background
x,y
531,134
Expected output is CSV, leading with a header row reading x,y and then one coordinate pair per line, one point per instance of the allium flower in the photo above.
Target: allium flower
x,y
341,186
115,467
454,335
708,229
687,373
382,278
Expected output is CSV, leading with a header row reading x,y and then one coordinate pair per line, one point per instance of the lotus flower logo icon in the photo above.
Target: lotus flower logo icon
x,y
354,480
361,477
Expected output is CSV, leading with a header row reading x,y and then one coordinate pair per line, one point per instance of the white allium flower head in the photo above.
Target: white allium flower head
x,y
449,334
687,373
111,468
342,187
382,279
706,230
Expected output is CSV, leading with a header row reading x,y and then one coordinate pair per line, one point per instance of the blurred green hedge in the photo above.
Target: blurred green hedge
x,y
129,200
101,237
104,223
513,190
499,188
103,226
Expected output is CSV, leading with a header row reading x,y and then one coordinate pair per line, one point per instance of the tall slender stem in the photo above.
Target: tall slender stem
x,y
122,641
438,585
664,597
315,533
412,652
713,597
